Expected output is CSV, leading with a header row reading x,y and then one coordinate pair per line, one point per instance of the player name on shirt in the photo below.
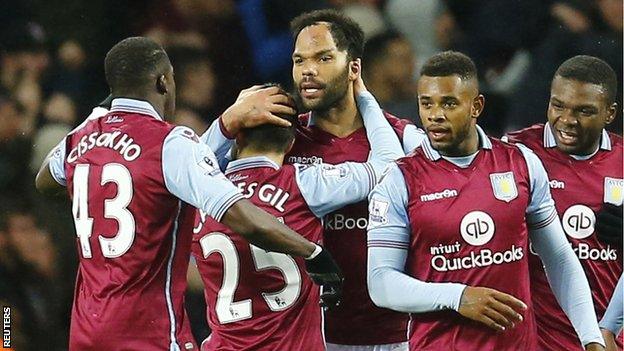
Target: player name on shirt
x,y
116,140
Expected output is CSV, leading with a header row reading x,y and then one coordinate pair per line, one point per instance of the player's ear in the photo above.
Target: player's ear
x,y
611,113
161,84
354,68
477,106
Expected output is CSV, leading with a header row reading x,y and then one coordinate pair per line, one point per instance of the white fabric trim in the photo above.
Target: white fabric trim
x,y
133,105
250,162
549,138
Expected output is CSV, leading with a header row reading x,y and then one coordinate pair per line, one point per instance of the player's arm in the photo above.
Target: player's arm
x,y
327,188
50,179
191,173
384,143
563,269
611,322
390,287
254,106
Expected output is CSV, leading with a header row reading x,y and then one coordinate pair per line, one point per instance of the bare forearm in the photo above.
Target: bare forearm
x,y
265,231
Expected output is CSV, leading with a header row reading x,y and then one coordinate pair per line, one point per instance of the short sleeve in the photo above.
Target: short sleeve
x,y
541,210
191,173
57,163
388,222
327,187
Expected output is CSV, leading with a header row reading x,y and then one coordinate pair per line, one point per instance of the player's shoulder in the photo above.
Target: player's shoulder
x,y
616,140
529,135
397,123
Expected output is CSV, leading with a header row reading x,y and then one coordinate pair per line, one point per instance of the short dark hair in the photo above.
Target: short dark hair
x,y
269,137
375,47
347,34
590,69
449,63
134,62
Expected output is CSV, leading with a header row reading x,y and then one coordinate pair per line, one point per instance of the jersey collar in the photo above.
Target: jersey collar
x,y
250,162
134,106
434,155
549,138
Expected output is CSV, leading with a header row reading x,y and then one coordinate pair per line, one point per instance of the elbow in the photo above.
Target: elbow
x,y
375,291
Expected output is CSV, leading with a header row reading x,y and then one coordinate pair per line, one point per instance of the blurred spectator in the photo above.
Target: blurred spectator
x,y
196,82
59,114
577,27
367,16
421,23
69,74
388,65
28,268
188,118
14,152
266,24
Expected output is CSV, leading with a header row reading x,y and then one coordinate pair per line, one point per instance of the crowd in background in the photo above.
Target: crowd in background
x,y
51,75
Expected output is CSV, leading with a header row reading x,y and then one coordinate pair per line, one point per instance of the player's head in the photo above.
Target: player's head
x,y
390,59
138,67
449,102
582,102
268,138
327,46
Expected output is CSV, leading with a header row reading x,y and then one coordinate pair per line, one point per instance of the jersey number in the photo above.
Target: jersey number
x,y
228,310
115,208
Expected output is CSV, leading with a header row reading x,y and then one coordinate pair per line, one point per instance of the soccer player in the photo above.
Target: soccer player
x,y
259,300
327,45
131,177
450,224
584,165
611,322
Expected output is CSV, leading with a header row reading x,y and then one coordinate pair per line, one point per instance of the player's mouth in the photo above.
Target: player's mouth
x,y
310,90
567,137
438,133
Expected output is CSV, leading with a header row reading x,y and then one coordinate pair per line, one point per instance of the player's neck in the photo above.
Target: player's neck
x,y
276,157
341,119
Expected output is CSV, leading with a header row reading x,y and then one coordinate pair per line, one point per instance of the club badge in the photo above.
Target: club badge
x,y
504,186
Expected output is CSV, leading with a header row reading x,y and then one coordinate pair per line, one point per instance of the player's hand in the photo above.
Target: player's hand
x,y
609,339
595,347
324,271
609,225
256,106
495,309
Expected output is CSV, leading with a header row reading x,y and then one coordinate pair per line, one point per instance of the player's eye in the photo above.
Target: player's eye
x,y
450,104
557,107
297,60
326,58
426,104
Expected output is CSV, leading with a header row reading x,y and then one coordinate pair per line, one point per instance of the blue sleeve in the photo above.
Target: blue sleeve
x,y
326,187
388,241
541,210
218,142
612,319
191,173
412,138
567,279
384,143
57,163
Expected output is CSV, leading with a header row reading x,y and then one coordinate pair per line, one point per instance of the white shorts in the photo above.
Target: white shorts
x,y
401,346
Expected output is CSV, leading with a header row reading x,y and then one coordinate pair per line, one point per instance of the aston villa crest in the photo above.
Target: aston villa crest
x,y
613,191
504,186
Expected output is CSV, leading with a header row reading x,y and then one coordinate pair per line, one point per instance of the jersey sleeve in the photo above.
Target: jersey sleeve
x,y
57,163
327,187
412,138
217,140
384,143
388,241
614,315
192,174
541,210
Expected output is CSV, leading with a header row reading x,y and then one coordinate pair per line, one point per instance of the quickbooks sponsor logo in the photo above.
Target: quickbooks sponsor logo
x,y
578,221
338,221
586,252
481,258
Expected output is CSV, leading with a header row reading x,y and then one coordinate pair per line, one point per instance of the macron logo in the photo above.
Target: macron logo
x,y
445,194
556,184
